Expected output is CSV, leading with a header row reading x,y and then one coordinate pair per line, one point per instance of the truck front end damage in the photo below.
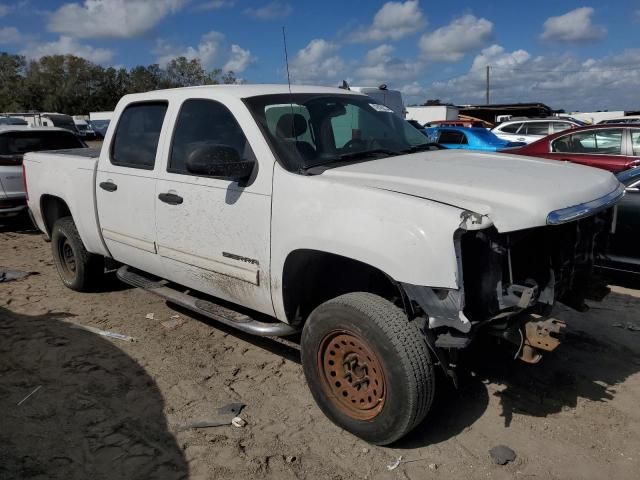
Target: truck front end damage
x,y
509,283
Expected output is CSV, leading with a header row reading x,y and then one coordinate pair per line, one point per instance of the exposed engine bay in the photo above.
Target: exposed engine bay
x,y
511,281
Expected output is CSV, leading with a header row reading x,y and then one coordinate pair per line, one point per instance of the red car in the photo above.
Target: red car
x,y
611,147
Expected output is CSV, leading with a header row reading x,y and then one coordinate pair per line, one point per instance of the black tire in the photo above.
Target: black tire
x,y
78,269
379,416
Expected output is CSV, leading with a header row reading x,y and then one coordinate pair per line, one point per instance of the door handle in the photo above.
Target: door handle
x,y
170,198
109,186
521,139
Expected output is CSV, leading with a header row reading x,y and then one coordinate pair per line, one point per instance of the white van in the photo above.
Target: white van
x,y
382,95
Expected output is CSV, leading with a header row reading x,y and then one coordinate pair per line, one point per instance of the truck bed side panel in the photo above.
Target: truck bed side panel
x,y
69,175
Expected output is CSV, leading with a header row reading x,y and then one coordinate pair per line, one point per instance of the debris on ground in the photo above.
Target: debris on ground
x,y
103,333
394,465
290,458
501,455
226,416
25,398
149,316
238,422
433,466
174,322
7,275
629,326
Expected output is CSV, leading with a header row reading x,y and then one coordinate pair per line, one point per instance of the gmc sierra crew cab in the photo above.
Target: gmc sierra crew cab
x,y
317,210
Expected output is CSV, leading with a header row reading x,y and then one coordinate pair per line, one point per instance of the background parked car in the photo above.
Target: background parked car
x,y
99,127
530,130
12,121
622,252
85,130
455,123
468,139
15,141
627,119
611,147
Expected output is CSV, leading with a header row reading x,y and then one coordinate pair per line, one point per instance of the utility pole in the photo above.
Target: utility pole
x,y
488,86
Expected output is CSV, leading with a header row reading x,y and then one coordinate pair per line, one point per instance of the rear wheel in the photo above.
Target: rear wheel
x,y
368,367
78,269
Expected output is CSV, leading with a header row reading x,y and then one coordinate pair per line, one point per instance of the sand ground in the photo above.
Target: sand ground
x,y
111,409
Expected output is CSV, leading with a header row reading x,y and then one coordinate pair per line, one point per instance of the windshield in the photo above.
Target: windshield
x,y
309,130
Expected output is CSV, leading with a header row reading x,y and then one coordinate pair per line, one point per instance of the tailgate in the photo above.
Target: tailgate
x,y
11,184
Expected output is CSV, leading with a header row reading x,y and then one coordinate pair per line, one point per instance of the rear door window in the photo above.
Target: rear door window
x,y
597,142
135,141
560,126
635,141
512,128
540,129
452,137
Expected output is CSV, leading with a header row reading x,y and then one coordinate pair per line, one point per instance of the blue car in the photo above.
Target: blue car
x,y
468,138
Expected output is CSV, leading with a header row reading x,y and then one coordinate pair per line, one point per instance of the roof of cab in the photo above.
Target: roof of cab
x,y
241,91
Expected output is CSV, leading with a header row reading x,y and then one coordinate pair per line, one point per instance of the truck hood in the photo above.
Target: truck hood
x,y
514,192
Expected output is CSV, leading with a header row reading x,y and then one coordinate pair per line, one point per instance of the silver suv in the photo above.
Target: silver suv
x,y
530,130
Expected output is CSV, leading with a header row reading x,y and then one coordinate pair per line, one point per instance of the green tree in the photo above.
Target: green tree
x,y
11,82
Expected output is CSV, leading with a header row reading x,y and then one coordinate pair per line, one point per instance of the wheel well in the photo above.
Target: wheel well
x,y
311,277
53,208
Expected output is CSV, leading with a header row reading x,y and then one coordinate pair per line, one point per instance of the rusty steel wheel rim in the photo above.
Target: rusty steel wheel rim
x,y
352,375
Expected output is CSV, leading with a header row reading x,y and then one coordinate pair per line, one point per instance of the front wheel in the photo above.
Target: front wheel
x,y
78,269
368,367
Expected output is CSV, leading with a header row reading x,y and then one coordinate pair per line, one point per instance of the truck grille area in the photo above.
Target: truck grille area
x,y
529,269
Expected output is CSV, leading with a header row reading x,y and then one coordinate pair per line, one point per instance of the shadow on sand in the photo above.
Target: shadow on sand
x,y
97,415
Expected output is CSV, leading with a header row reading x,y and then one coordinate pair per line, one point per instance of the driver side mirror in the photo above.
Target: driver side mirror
x,y
219,161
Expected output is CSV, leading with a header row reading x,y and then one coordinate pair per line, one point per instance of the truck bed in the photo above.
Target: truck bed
x,y
69,177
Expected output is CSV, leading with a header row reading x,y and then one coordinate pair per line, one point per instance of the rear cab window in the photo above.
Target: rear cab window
x,y
135,141
16,144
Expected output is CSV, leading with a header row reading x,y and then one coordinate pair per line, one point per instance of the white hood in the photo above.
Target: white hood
x,y
515,192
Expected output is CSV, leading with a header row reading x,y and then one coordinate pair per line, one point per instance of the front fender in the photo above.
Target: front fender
x,y
408,238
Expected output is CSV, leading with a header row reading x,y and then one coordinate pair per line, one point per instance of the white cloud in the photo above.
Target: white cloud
x,y
214,5
380,66
9,35
573,26
451,42
111,18
317,63
270,11
4,10
212,50
393,21
561,82
68,46
239,60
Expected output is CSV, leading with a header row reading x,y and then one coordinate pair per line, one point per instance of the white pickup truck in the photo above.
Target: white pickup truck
x,y
317,210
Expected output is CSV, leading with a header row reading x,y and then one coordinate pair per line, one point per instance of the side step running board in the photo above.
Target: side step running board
x,y
212,310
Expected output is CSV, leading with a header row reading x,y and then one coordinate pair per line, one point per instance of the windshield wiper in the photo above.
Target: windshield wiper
x,y
424,147
345,157
366,153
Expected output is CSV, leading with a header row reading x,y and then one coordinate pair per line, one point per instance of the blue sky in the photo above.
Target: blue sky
x,y
569,54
